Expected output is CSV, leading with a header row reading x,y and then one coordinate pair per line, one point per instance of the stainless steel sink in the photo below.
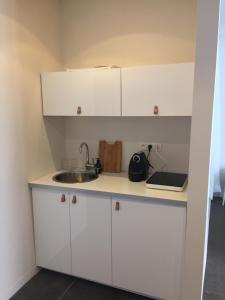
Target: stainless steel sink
x,y
75,176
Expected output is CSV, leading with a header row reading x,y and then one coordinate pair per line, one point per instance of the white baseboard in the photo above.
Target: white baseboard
x,y
20,282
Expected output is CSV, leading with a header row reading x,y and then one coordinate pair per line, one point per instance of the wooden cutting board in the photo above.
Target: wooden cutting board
x,y
110,155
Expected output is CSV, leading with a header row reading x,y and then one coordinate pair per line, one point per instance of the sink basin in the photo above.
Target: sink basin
x,y
75,177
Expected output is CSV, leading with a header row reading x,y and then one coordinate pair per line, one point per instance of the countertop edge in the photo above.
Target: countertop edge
x,y
46,182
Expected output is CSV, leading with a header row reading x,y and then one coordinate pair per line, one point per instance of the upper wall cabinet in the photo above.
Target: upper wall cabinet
x,y
164,90
84,92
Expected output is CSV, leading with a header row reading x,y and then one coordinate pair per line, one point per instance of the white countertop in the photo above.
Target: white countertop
x,y
113,184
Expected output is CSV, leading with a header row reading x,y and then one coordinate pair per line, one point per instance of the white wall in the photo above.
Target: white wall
x,y
128,33
29,146
172,133
200,151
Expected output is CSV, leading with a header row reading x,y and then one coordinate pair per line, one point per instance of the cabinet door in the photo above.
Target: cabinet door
x,y
84,92
147,247
106,94
63,92
91,236
52,229
164,90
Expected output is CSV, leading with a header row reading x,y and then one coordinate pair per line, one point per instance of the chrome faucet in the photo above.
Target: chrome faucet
x,y
87,165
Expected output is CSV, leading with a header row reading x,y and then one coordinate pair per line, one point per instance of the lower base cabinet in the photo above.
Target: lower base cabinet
x,y
73,233
148,246
126,242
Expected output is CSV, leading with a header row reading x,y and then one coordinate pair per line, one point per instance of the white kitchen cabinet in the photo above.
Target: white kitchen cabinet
x,y
125,241
82,92
164,90
147,246
91,236
52,229
73,233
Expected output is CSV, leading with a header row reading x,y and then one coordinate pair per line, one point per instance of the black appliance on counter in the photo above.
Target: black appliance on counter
x,y
167,181
138,167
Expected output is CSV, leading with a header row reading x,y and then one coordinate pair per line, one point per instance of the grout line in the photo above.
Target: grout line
x,y
66,290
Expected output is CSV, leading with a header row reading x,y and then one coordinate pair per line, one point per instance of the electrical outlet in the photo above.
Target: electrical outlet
x,y
143,146
156,147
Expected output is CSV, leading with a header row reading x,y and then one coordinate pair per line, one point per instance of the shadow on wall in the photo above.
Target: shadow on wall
x,y
21,17
172,130
55,129
26,49
128,32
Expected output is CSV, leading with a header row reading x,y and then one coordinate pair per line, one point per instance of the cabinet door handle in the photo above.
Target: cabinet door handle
x,y
74,201
63,198
79,111
117,206
156,110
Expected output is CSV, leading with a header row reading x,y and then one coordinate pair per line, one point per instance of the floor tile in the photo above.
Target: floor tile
x,y
46,285
211,296
214,285
86,290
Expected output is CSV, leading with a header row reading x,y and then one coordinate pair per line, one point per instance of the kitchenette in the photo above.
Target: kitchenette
x,y
117,218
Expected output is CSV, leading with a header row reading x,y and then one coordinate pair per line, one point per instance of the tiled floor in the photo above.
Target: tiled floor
x,y
214,288
47,285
